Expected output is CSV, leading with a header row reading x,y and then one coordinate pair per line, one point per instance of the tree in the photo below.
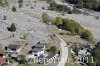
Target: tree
x,y
13,27
22,59
14,9
25,36
74,27
53,5
53,50
58,21
20,3
4,3
4,17
87,35
96,54
76,50
45,18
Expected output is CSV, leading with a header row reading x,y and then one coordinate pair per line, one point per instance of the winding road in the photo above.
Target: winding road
x,y
64,52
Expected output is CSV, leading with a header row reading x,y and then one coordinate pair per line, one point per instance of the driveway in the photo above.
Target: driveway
x,y
64,52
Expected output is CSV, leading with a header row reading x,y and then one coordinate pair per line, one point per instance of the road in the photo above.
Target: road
x,y
64,52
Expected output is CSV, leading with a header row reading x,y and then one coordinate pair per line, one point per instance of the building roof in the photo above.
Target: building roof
x,y
39,45
82,52
3,52
14,55
42,42
50,56
37,49
14,46
45,59
2,60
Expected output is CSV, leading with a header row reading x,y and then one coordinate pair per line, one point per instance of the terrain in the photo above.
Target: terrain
x,y
28,21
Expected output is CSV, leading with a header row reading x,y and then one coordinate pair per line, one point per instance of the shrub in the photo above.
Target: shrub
x,y
20,3
4,17
79,6
76,11
43,8
22,59
53,5
52,50
96,54
4,3
87,35
90,4
13,27
58,7
32,7
45,18
74,28
14,9
58,21
76,50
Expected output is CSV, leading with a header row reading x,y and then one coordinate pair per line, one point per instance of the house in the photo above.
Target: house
x,y
3,53
37,50
14,55
2,61
82,54
13,48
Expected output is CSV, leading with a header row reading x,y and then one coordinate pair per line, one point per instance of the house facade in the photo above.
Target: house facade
x,y
37,50
13,48
3,54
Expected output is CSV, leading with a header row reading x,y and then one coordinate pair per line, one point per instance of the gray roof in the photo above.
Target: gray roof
x,y
37,49
42,42
50,56
45,59
14,55
39,45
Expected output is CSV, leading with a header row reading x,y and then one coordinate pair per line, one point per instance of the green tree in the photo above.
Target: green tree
x,y
13,27
58,21
53,50
96,55
22,59
25,35
76,50
87,35
4,17
45,18
20,3
14,9
4,3
53,5
74,27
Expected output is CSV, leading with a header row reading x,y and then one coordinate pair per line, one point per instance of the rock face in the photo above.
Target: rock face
x,y
26,21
